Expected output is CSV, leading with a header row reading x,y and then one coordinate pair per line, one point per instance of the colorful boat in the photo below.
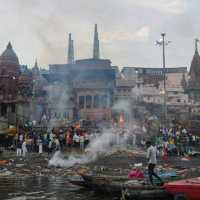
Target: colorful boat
x,y
188,189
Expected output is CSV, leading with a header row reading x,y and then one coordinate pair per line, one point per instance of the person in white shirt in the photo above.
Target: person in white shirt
x,y
152,161
19,148
40,146
21,138
76,140
24,149
57,144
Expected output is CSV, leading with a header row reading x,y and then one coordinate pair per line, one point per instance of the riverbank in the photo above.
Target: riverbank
x,y
117,162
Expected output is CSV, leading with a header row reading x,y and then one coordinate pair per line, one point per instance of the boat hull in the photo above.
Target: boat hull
x,y
117,187
188,189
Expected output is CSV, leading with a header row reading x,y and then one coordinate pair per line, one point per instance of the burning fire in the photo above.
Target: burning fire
x,y
121,120
77,126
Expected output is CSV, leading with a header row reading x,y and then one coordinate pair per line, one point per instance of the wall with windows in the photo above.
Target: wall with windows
x,y
92,101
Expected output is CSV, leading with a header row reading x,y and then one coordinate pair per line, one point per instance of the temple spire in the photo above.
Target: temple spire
x,y
96,53
72,48
9,46
196,45
70,58
36,64
35,69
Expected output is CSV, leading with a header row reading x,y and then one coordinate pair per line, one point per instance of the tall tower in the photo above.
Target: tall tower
x,y
195,64
35,69
196,45
193,86
96,53
70,58
72,50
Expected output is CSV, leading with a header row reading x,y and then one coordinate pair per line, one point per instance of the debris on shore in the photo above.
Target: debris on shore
x,y
115,163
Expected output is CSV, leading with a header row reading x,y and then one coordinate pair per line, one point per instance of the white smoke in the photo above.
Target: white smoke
x,y
122,105
100,145
136,93
59,160
58,100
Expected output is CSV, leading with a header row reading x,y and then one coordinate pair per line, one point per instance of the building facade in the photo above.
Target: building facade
x,y
89,83
15,88
89,88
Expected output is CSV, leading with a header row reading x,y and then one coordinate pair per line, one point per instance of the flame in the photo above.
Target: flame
x,y
121,120
78,126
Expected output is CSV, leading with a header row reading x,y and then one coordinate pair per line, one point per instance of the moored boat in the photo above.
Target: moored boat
x,y
188,189
117,186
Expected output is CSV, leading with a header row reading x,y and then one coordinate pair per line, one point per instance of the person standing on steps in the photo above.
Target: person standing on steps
x,y
152,161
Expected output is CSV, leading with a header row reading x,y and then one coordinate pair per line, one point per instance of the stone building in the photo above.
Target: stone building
x,y
86,88
9,75
149,83
24,98
39,94
89,84
148,89
15,89
94,86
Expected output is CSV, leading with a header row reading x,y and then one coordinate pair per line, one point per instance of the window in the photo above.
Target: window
x,y
3,110
65,115
178,100
96,101
104,101
13,108
3,72
81,102
88,101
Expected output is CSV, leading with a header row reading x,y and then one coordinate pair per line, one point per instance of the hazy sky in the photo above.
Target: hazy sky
x,y
127,29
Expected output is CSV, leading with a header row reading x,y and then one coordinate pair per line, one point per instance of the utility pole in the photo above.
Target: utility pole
x,y
163,43
164,77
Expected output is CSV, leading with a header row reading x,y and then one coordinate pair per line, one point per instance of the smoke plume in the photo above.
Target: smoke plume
x,y
58,100
99,145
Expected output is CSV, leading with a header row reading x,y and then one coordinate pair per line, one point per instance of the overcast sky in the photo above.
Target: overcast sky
x,y
127,29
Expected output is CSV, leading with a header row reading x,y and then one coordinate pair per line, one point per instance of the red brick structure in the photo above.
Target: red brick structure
x,y
9,75
15,89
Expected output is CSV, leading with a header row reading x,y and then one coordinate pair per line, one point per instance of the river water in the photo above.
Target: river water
x,y
44,188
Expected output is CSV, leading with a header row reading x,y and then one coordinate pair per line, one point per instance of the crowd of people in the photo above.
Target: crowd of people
x,y
176,141
169,141
56,139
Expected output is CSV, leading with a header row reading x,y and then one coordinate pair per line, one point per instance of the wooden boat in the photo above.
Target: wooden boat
x,y
143,191
188,189
102,184
118,186
155,194
80,183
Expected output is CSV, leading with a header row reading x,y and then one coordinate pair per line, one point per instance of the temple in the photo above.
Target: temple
x,y
90,88
92,81
193,87
15,87
9,75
